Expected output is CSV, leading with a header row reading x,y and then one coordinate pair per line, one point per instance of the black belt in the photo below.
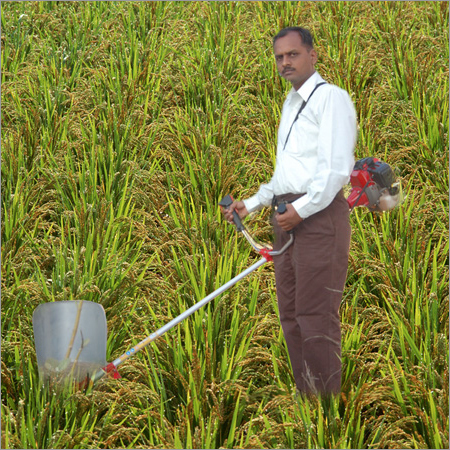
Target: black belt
x,y
285,198
289,198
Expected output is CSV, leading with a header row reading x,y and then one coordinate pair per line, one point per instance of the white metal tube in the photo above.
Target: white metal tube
x,y
179,318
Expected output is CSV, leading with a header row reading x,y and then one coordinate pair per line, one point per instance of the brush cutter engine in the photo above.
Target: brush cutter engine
x,y
373,186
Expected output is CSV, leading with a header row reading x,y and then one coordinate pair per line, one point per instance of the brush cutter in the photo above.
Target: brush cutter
x,y
70,336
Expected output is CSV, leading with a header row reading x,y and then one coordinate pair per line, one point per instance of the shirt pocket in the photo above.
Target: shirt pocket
x,y
304,137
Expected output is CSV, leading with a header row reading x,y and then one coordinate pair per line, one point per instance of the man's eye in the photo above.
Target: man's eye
x,y
293,54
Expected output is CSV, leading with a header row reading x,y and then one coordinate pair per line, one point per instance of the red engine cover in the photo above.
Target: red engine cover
x,y
359,179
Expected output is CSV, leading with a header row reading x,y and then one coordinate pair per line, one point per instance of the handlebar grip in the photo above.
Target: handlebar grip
x,y
225,203
281,209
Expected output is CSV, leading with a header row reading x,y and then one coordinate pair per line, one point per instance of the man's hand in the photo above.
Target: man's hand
x,y
237,206
289,219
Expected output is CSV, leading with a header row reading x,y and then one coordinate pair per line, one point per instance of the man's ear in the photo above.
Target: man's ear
x,y
313,55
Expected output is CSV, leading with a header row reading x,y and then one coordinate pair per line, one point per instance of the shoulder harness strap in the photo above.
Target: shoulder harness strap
x,y
300,111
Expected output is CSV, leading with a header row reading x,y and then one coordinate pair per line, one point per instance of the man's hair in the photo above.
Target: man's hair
x,y
305,35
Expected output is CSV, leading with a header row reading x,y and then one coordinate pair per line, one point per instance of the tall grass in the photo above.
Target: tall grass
x,y
123,125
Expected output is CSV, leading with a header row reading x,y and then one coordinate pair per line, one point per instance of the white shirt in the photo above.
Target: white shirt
x,y
318,158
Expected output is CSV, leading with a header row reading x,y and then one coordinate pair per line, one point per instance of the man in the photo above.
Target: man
x,y
316,139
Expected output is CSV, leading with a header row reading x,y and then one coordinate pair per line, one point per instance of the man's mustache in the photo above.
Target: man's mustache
x,y
287,69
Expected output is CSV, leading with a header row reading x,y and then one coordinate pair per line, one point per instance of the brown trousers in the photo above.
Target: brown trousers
x,y
310,277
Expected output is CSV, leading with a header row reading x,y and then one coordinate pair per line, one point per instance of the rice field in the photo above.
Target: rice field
x,y
123,126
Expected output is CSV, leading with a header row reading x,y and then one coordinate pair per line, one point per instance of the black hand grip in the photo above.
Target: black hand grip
x,y
281,209
225,203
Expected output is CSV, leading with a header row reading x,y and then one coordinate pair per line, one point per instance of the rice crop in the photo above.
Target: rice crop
x,y
123,126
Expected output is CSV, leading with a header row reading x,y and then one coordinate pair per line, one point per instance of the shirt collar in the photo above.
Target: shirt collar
x,y
308,86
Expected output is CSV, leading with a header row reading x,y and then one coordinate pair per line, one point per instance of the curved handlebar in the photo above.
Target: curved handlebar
x,y
260,248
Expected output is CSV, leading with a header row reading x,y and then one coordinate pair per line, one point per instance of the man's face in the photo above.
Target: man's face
x,y
295,62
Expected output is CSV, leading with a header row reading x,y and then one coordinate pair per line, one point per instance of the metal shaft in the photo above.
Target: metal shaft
x,y
101,373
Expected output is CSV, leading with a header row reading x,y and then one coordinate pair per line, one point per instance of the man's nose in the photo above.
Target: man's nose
x,y
285,61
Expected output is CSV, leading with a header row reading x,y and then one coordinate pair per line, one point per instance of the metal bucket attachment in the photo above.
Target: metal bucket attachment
x,y
70,339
